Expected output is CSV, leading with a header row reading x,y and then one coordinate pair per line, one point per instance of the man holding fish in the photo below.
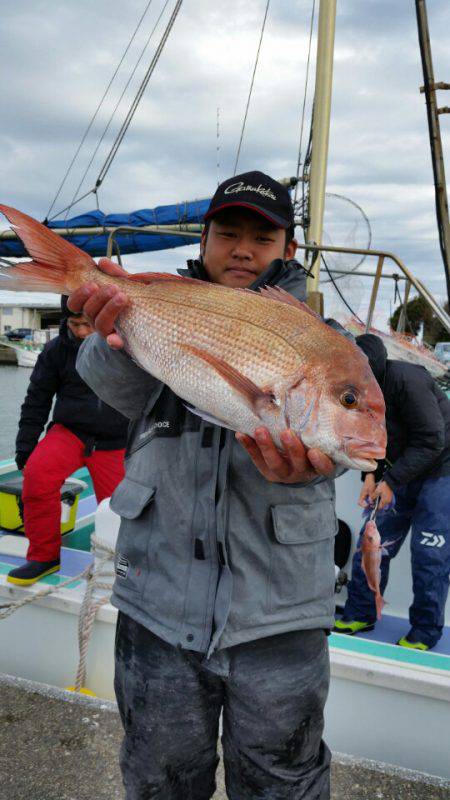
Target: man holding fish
x,y
417,472
224,563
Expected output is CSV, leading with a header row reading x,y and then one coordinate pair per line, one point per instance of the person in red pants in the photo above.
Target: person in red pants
x,y
84,431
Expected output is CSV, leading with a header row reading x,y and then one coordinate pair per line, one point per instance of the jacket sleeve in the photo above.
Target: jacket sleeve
x,y
44,384
115,378
425,428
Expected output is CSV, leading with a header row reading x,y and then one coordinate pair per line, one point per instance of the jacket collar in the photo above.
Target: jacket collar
x,y
289,275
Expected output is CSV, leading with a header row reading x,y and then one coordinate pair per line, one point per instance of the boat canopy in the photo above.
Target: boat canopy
x,y
95,242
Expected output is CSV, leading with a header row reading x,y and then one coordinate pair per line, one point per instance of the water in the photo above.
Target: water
x,y
13,387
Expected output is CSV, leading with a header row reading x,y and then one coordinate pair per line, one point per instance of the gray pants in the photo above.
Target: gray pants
x,y
272,692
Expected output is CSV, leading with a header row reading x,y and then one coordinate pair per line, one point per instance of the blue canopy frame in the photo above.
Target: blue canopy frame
x,y
95,244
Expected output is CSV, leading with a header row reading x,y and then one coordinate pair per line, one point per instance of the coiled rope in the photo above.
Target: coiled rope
x,y
97,578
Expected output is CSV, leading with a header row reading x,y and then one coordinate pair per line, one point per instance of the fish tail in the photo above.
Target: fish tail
x,y
57,266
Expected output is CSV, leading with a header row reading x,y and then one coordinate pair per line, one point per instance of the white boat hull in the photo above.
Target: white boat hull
x,y
376,709
27,358
384,704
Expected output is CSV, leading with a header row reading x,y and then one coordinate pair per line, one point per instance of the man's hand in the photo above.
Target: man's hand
x,y
295,465
384,492
367,491
102,305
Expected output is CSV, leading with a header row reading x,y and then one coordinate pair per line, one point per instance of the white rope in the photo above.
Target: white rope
x,y
93,574
6,609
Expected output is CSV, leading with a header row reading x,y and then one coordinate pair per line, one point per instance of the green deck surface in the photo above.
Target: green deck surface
x,y
389,651
79,539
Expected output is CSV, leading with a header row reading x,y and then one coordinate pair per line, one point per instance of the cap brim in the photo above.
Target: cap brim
x,y
274,218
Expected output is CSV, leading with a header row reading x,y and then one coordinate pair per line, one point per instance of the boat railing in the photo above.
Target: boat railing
x,y
410,280
194,230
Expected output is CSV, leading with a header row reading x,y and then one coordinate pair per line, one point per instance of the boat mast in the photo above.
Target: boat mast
x,y
320,139
429,89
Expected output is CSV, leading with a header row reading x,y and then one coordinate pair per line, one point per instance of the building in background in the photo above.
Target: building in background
x,y
28,310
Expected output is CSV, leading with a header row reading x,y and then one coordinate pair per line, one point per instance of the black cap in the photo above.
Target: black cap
x,y
258,192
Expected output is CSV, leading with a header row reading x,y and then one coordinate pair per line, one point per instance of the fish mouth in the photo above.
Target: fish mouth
x,y
363,450
364,464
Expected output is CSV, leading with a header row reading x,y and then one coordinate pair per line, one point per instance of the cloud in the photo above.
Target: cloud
x,y
57,59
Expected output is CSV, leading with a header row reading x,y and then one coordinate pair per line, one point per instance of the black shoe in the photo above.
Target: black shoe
x,y
32,571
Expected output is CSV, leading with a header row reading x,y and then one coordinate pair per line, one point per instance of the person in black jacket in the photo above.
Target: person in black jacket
x,y
83,431
417,471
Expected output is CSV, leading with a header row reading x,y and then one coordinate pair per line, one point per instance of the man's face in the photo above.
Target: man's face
x,y
80,327
239,246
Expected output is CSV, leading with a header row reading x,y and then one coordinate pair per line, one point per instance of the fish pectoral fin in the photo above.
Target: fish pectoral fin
x,y
208,417
277,293
258,399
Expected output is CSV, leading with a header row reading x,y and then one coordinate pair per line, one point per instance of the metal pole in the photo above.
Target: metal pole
x,y
373,297
402,316
321,130
435,138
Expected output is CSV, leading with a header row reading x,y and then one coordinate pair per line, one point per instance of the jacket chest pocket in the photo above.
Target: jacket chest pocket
x,y
133,502
302,553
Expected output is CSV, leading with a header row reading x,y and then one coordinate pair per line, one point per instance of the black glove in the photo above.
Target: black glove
x,y
21,459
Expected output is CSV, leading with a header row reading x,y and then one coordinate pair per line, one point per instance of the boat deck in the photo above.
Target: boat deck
x,y
39,720
373,680
379,643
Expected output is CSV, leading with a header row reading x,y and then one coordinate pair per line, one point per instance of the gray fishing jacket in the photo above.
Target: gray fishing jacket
x,y
210,554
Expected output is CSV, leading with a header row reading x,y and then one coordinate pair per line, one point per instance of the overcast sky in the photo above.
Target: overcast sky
x,y
57,59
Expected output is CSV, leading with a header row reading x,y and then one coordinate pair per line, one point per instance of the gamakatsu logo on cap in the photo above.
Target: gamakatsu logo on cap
x,y
241,187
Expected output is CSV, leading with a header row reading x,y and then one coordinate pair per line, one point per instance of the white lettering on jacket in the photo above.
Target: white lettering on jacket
x,y
162,424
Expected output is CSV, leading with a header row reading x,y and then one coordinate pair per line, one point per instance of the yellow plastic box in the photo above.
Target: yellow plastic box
x,y
11,505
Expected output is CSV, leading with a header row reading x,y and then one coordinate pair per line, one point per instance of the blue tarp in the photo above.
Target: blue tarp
x,y
95,245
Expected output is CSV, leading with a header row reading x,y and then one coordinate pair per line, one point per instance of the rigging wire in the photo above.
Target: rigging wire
x,y
218,145
369,231
94,116
305,182
353,313
111,155
251,88
153,62
299,159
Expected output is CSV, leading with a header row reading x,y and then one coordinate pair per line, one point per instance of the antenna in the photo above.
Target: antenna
x,y
218,145
437,157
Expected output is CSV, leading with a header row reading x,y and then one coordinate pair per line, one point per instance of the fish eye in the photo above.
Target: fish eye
x,y
348,399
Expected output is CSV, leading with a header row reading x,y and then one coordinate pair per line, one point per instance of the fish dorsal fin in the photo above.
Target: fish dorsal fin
x,y
164,277
277,293
255,397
